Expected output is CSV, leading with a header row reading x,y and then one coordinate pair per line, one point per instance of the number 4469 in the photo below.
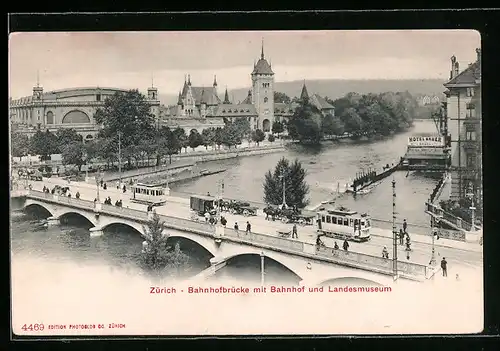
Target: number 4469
x,y
33,327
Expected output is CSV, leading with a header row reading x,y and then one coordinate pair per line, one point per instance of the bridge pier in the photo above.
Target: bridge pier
x,y
53,221
96,231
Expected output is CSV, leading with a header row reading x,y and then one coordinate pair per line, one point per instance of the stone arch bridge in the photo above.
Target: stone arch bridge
x,y
311,265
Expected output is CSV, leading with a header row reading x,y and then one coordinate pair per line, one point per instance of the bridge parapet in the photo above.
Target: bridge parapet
x,y
283,243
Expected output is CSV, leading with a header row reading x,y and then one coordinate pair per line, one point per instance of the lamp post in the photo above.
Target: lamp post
x,y
394,233
262,269
97,179
470,195
284,187
120,156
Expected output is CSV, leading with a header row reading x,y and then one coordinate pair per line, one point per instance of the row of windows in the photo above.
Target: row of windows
x,y
148,192
235,110
470,111
342,221
266,85
470,135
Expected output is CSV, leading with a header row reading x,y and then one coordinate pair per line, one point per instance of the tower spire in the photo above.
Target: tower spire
x,y
189,79
226,97
152,81
262,51
37,78
215,80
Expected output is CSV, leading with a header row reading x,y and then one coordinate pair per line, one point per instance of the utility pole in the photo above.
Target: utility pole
x,y
394,233
433,233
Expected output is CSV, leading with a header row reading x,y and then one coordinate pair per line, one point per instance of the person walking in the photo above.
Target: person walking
x,y
346,245
249,228
401,237
405,226
294,231
444,267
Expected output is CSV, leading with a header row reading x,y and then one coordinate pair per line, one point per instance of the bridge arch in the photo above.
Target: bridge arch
x,y
66,215
32,205
135,226
269,257
194,239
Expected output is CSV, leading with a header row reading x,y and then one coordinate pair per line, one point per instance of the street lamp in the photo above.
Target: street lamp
x,y
97,179
282,176
262,269
120,156
470,195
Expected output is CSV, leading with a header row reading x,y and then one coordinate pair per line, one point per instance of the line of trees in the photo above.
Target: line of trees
x,y
357,114
126,116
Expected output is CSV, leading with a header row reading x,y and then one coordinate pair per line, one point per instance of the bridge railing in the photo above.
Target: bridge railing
x,y
71,201
201,227
438,211
258,238
364,260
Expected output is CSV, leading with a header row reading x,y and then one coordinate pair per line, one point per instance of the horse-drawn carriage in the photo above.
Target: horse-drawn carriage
x,y
237,207
289,215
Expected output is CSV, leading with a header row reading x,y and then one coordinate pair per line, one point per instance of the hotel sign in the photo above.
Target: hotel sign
x,y
433,141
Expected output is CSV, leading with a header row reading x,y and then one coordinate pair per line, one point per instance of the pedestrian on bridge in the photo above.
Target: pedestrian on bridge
x,y
405,226
236,226
124,188
346,245
77,195
294,231
401,237
444,267
249,228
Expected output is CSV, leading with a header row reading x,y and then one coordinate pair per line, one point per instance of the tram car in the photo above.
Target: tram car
x,y
150,194
343,223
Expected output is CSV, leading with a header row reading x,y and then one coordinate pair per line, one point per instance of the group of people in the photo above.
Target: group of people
x,y
107,201
248,228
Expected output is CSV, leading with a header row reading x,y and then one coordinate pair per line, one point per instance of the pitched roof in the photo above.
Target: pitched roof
x,y
320,102
469,76
248,99
262,67
235,110
210,95
304,94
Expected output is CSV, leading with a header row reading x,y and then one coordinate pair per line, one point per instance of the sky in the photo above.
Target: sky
x,y
132,60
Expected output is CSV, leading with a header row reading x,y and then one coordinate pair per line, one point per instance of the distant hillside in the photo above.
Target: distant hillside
x,y
336,88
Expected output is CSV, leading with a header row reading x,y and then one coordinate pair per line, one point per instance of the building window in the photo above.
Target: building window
x,y
470,135
98,97
470,92
471,161
470,111
265,99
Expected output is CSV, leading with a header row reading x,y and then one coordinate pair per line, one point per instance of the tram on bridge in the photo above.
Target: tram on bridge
x,y
150,194
342,223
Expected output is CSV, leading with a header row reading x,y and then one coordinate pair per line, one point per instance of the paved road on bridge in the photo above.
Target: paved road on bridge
x,y
463,254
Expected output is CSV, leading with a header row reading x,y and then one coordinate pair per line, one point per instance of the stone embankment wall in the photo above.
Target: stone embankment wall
x,y
215,155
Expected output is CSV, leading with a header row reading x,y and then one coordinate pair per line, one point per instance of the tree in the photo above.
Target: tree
x,y
194,140
231,135
158,256
296,188
208,136
352,122
126,113
43,144
305,124
67,136
332,125
281,97
242,126
271,138
182,138
258,136
74,154
171,144
20,144
219,137
278,127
